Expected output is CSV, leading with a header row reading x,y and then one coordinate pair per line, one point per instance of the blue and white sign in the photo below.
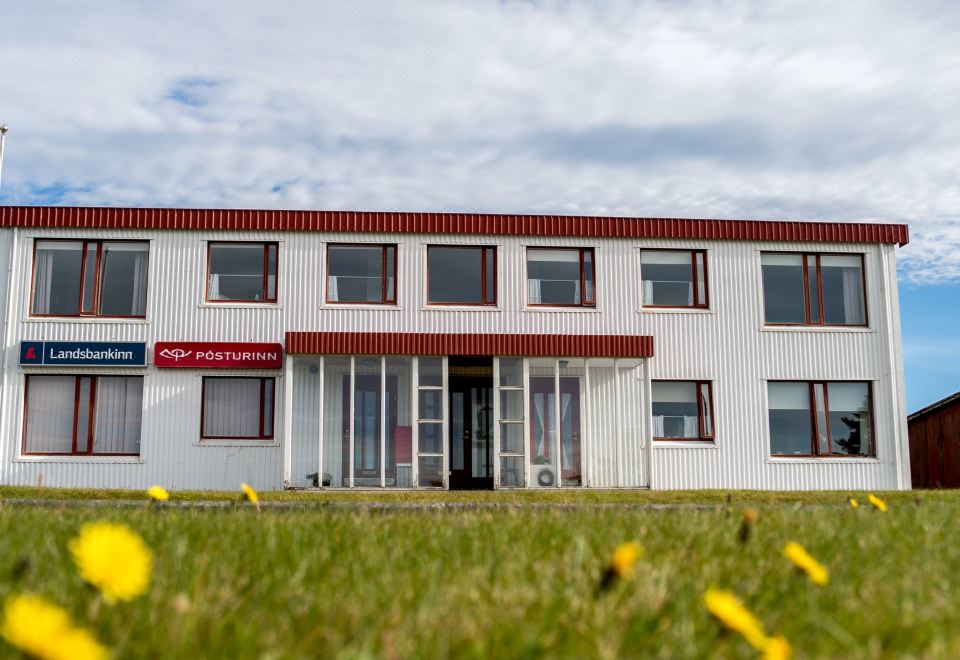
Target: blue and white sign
x,y
83,353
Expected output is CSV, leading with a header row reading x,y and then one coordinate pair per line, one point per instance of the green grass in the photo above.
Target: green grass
x,y
510,581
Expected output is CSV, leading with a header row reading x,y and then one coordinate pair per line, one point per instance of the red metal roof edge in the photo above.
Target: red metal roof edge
x,y
448,223
425,343
934,406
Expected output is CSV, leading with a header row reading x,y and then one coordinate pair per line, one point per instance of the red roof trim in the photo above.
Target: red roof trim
x,y
448,223
422,343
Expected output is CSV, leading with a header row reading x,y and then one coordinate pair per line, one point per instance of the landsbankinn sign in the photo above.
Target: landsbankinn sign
x,y
83,353
217,355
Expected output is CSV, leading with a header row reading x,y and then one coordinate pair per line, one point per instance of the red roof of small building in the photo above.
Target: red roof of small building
x,y
448,223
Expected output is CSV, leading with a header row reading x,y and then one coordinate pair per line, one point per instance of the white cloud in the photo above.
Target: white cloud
x,y
800,110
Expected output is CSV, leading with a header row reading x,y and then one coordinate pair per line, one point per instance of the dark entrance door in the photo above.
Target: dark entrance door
x,y
471,423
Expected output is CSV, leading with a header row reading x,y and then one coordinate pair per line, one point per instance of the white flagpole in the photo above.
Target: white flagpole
x,y
3,135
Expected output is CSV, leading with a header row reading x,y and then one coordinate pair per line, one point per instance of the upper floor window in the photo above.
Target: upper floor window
x,y
82,415
242,272
813,289
362,274
674,278
461,275
89,278
682,410
820,419
560,276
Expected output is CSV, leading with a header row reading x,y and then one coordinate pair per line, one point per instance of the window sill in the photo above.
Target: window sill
x,y
782,460
676,310
461,308
386,307
819,329
684,444
238,442
240,305
133,460
576,309
84,319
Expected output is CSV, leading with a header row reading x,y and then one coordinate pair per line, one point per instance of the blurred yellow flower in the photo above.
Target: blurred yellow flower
x,y
158,494
43,630
728,609
777,648
817,572
114,559
877,502
249,494
854,503
625,558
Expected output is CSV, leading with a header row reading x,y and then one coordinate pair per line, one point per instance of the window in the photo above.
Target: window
x,y
242,272
362,274
461,275
560,277
820,419
682,410
237,408
813,289
674,278
83,415
89,278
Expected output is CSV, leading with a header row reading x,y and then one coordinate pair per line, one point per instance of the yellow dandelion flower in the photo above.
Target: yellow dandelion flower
x,y
877,502
158,494
728,609
854,503
249,494
777,648
43,630
114,559
817,572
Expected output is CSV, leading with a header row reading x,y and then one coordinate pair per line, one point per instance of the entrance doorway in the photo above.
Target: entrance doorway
x,y
471,423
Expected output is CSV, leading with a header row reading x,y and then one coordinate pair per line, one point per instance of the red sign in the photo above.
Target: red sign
x,y
217,355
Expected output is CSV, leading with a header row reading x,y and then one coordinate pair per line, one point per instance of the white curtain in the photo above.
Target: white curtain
x,y
647,292
231,407
138,305
42,281
213,287
658,426
117,415
49,414
332,289
690,427
533,291
853,296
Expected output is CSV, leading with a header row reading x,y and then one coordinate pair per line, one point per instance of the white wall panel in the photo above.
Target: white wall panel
x,y
726,344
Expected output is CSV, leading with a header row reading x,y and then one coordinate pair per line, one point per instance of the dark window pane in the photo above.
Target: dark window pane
x,y
589,296
813,289
391,289
89,277
271,272
123,280
701,278
850,426
355,274
491,274
455,275
56,277
553,277
675,410
268,407
707,412
236,272
842,290
667,278
790,428
783,288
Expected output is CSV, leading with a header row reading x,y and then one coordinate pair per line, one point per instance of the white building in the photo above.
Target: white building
x,y
200,348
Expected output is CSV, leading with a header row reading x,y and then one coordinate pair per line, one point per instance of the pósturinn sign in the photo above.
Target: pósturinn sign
x,y
217,355
83,353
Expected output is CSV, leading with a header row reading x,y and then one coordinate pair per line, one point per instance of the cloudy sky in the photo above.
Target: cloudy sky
x,y
803,110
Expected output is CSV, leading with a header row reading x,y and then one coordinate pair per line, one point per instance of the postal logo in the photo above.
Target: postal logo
x,y
175,354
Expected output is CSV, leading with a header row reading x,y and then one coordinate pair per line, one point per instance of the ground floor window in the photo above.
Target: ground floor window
x,y
83,415
682,410
237,408
821,419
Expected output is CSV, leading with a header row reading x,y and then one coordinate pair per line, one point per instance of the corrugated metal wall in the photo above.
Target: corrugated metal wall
x,y
727,344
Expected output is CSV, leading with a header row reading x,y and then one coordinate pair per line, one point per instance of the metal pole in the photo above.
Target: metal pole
x,y
3,134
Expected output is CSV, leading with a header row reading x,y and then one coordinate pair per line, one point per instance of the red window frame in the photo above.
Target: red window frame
x,y
814,425
697,303
385,296
263,407
702,435
91,418
488,298
583,276
805,262
95,306
266,274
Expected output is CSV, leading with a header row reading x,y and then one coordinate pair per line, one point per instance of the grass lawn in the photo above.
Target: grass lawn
x,y
308,580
